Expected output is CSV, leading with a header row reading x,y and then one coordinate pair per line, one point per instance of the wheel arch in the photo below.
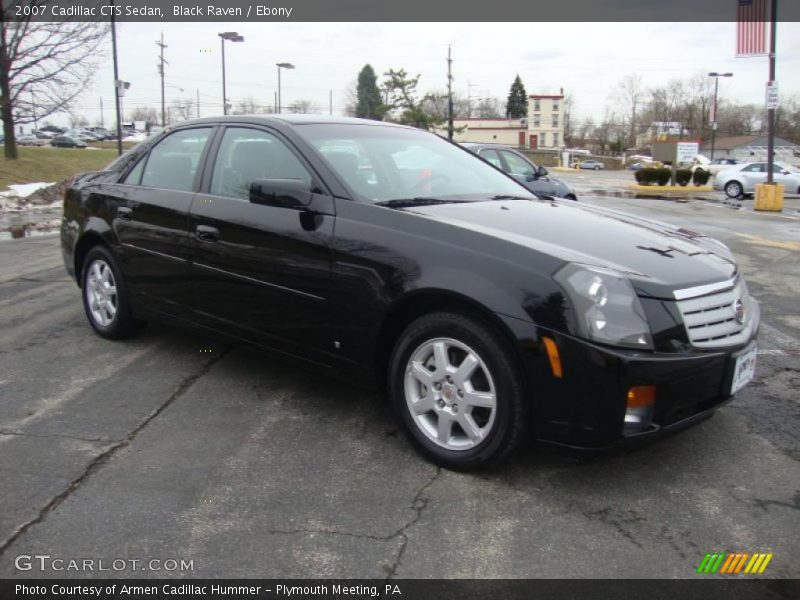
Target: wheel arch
x,y
425,301
96,232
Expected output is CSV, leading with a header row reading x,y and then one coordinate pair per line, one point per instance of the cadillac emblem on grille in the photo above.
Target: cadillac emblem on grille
x,y
738,309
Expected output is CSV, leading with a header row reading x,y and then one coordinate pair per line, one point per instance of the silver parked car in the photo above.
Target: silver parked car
x,y
740,180
595,165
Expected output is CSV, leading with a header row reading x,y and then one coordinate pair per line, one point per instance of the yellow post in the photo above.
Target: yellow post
x,y
769,197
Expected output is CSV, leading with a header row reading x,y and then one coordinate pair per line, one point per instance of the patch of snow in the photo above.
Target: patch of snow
x,y
23,190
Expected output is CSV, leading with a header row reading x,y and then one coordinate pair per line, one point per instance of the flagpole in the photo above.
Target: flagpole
x,y
771,111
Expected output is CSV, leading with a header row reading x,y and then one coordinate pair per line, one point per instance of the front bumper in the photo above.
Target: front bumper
x,y
585,408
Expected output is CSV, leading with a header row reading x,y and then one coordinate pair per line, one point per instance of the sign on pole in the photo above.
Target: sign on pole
x,y
686,152
772,95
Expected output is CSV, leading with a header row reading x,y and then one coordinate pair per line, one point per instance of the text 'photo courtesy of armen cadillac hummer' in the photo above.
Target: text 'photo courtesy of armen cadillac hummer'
x,y
389,256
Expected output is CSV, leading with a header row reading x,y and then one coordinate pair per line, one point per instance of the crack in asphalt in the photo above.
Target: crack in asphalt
x,y
418,506
97,462
58,435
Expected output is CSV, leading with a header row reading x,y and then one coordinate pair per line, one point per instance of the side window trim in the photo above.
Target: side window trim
x,y
200,162
215,145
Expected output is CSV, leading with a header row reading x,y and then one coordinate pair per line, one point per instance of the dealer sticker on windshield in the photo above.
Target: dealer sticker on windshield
x,y
744,370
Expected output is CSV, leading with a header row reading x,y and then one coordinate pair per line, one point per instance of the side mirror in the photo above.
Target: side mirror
x,y
541,172
282,193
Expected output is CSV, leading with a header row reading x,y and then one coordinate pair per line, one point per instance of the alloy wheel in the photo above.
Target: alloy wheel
x,y
450,394
101,293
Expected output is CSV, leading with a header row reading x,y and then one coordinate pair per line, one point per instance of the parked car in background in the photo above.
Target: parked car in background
x,y
52,129
516,164
489,315
595,165
718,164
66,141
30,140
740,180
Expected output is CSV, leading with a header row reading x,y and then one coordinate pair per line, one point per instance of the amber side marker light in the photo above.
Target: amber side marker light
x,y
552,355
639,413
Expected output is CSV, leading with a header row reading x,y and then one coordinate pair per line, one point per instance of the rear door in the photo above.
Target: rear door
x,y
151,221
753,174
261,272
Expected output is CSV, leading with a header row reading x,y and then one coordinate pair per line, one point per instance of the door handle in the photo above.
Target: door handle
x,y
204,233
123,212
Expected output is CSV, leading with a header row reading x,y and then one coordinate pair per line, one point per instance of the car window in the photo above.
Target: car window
x,y
516,164
493,157
172,164
392,163
135,176
754,168
246,155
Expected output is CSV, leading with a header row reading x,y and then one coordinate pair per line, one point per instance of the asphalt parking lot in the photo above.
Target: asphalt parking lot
x,y
171,446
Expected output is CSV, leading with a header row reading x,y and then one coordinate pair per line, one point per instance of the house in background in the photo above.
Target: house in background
x,y
542,129
748,148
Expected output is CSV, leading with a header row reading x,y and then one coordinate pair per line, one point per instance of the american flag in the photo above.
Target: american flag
x,y
751,27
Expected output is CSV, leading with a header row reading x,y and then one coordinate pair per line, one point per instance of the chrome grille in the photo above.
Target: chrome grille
x,y
710,316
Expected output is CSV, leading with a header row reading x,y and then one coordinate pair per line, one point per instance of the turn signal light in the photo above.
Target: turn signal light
x,y
639,413
641,396
553,357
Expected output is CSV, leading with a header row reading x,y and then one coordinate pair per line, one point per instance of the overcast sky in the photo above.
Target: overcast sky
x,y
586,59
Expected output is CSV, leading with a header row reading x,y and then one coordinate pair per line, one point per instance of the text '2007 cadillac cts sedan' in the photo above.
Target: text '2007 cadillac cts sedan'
x,y
387,255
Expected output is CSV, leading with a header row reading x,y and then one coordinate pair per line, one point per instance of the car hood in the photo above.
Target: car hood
x,y
658,258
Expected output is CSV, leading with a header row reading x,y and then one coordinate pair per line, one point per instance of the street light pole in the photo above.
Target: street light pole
x,y
283,65
231,36
116,80
771,111
716,77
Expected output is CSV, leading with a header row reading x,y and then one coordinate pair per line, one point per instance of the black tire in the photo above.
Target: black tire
x,y
596,168
734,189
122,325
511,408
571,197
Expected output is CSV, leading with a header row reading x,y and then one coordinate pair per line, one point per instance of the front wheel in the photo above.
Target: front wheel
x,y
105,296
597,168
457,388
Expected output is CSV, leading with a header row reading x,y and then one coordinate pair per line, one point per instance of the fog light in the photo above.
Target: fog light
x,y
639,413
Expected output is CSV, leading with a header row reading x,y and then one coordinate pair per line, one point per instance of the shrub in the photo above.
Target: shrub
x,y
662,176
640,177
683,176
701,176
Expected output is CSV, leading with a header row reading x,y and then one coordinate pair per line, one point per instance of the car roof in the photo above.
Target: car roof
x,y
290,120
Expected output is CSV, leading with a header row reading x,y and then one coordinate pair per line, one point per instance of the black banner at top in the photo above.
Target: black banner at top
x,y
386,10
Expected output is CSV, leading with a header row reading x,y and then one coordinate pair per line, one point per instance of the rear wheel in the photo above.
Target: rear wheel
x,y
105,296
456,386
733,189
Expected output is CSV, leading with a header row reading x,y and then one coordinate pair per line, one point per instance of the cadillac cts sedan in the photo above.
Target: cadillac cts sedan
x,y
388,256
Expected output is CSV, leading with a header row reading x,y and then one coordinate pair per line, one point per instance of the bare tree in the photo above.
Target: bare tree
x,y
181,109
302,107
148,114
629,96
248,106
487,108
43,66
77,121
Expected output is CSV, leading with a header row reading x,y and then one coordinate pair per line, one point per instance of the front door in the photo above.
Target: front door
x,y
534,141
261,272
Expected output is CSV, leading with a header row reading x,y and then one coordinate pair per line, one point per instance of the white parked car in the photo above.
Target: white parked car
x,y
740,180
716,165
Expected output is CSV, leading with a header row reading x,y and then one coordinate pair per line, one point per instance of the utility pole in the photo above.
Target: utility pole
x,y
330,103
102,121
449,94
161,64
771,111
116,79
198,103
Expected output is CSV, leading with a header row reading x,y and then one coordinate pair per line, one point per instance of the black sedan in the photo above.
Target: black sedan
x,y
516,164
65,141
387,255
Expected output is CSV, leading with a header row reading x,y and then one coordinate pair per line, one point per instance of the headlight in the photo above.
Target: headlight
x,y
606,308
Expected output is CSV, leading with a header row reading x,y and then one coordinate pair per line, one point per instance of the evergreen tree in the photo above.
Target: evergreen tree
x,y
369,104
517,105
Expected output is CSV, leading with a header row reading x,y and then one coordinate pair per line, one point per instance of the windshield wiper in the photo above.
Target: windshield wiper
x,y
418,201
507,197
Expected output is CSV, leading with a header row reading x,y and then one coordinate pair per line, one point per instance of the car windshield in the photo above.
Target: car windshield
x,y
385,163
